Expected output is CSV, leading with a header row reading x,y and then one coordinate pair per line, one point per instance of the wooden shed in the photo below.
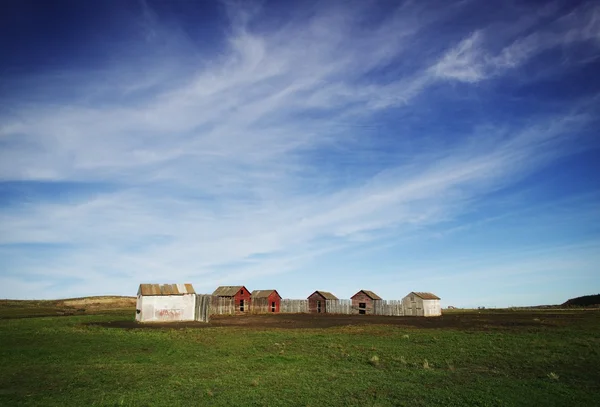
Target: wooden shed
x,y
266,301
363,302
165,302
317,301
242,298
421,304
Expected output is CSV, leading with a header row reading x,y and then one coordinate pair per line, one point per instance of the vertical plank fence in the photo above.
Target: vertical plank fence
x,y
338,306
260,306
293,306
222,306
388,307
203,303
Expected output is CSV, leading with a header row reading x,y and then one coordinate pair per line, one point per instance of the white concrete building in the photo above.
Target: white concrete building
x,y
422,305
165,302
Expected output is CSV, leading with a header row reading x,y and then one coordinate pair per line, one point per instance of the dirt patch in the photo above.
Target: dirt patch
x,y
464,321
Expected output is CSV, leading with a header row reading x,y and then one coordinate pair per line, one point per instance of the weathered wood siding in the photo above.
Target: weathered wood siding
x,y
265,305
314,301
260,306
274,302
359,298
338,306
432,308
246,296
203,307
388,307
222,306
413,306
290,306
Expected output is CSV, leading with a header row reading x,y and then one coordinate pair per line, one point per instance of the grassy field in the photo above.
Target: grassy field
x,y
546,359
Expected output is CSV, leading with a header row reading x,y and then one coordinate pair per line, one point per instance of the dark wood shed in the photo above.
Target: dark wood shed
x,y
266,301
241,296
317,301
363,302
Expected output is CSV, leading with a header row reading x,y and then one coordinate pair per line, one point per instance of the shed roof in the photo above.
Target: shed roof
x,y
370,294
325,294
263,293
426,296
227,290
165,289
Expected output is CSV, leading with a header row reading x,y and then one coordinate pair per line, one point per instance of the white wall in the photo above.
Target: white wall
x,y
432,308
166,308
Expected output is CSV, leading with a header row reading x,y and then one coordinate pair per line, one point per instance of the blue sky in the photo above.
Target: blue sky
x,y
438,146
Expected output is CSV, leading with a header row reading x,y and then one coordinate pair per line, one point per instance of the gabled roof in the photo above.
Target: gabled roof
x,y
228,290
369,294
263,293
426,296
165,289
325,294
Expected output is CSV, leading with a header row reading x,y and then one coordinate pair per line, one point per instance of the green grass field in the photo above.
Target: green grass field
x,y
63,360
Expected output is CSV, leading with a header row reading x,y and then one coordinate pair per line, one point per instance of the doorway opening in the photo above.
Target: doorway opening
x,y
362,308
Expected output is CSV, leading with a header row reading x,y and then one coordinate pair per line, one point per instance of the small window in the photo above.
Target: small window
x,y
362,305
242,291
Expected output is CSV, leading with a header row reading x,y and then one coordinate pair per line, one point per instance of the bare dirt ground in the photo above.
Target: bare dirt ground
x,y
462,321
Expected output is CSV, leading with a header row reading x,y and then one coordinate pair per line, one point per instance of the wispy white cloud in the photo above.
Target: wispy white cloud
x,y
472,61
224,162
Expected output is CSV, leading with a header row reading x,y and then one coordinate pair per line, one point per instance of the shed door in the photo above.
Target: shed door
x,y
273,306
318,306
241,305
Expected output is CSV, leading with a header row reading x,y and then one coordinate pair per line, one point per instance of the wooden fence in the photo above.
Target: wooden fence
x,y
203,307
388,307
260,306
293,306
338,306
222,306
207,305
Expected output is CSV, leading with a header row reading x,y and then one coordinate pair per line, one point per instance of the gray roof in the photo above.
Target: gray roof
x,y
426,296
325,294
165,289
227,290
263,293
370,294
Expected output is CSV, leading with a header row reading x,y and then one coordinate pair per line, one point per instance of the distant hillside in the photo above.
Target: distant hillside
x,y
585,301
68,306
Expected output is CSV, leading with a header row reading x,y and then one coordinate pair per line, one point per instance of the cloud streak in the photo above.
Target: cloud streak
x,y
223,169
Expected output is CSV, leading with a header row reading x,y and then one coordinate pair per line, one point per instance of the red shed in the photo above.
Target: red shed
x,y
363,302
240,294
266,301
317,301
